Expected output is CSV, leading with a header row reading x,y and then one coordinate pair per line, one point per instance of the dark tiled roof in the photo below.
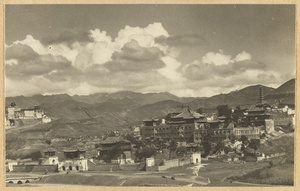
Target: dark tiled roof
x,y
73,150
188,114
112,140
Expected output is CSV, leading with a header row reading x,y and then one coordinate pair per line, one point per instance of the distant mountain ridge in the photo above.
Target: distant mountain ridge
x,y
125,107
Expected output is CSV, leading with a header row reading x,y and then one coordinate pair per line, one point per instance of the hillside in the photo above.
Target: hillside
x,y
127,107
25,102
284,94
132,97
287,87
244,98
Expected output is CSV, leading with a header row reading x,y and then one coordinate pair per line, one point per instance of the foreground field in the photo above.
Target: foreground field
x,y
276,175
212,173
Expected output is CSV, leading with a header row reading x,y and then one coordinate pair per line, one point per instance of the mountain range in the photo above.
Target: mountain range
x,y
126,108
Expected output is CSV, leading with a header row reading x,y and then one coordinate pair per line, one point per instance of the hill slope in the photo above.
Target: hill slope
x,y
244,98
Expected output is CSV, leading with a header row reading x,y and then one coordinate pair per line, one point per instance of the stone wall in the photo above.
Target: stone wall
x,y
166,165
103,167
35,168
130,167
184,162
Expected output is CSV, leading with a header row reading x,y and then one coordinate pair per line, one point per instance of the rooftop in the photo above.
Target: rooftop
x,y
112,140
187,114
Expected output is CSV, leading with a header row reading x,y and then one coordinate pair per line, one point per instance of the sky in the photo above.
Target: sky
x,y
187,50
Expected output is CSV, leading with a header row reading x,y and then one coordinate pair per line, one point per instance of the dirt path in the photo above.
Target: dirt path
x,y
123,176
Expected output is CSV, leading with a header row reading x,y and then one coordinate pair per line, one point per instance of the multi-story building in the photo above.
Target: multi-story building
x,y
257,117
111,143
184,126
14,114
250,132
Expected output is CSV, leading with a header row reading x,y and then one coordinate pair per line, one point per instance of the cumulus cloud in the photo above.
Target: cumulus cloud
x,y
37,85
242,56
20,52
103,49
36,45
216,58
125,80
182,40
66,37
24,63
133,57
98,36
143,59
144,36
170,70
59,49
218,73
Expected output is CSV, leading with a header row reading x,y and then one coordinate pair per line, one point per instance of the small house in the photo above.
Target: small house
x,y
195,158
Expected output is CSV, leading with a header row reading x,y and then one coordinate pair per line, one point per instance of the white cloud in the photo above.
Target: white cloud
x,y
242,56
220,58
144,36
36,45
216,58
101,52
170,70
89,57
87,89
98,36
37,85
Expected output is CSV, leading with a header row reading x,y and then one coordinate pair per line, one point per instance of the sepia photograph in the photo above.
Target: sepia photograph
x,y
149,95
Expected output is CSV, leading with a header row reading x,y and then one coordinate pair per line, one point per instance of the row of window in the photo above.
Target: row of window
x,y
169,134
168,128
246,131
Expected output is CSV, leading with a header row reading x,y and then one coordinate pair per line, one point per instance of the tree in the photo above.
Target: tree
x,y
200,110
113,153
224,110
220,145
172,147
13,104
238,114
233,139
35,156
145,152
207,142
244,140
254,144
181,151
131,138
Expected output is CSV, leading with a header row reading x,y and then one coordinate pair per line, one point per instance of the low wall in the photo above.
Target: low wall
x,y
103,167
171,163
35,168
30,121
184,162
142,166
151,168
130,167
267,156
167,164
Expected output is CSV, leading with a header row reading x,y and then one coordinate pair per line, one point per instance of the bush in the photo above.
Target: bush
x,y
35,156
